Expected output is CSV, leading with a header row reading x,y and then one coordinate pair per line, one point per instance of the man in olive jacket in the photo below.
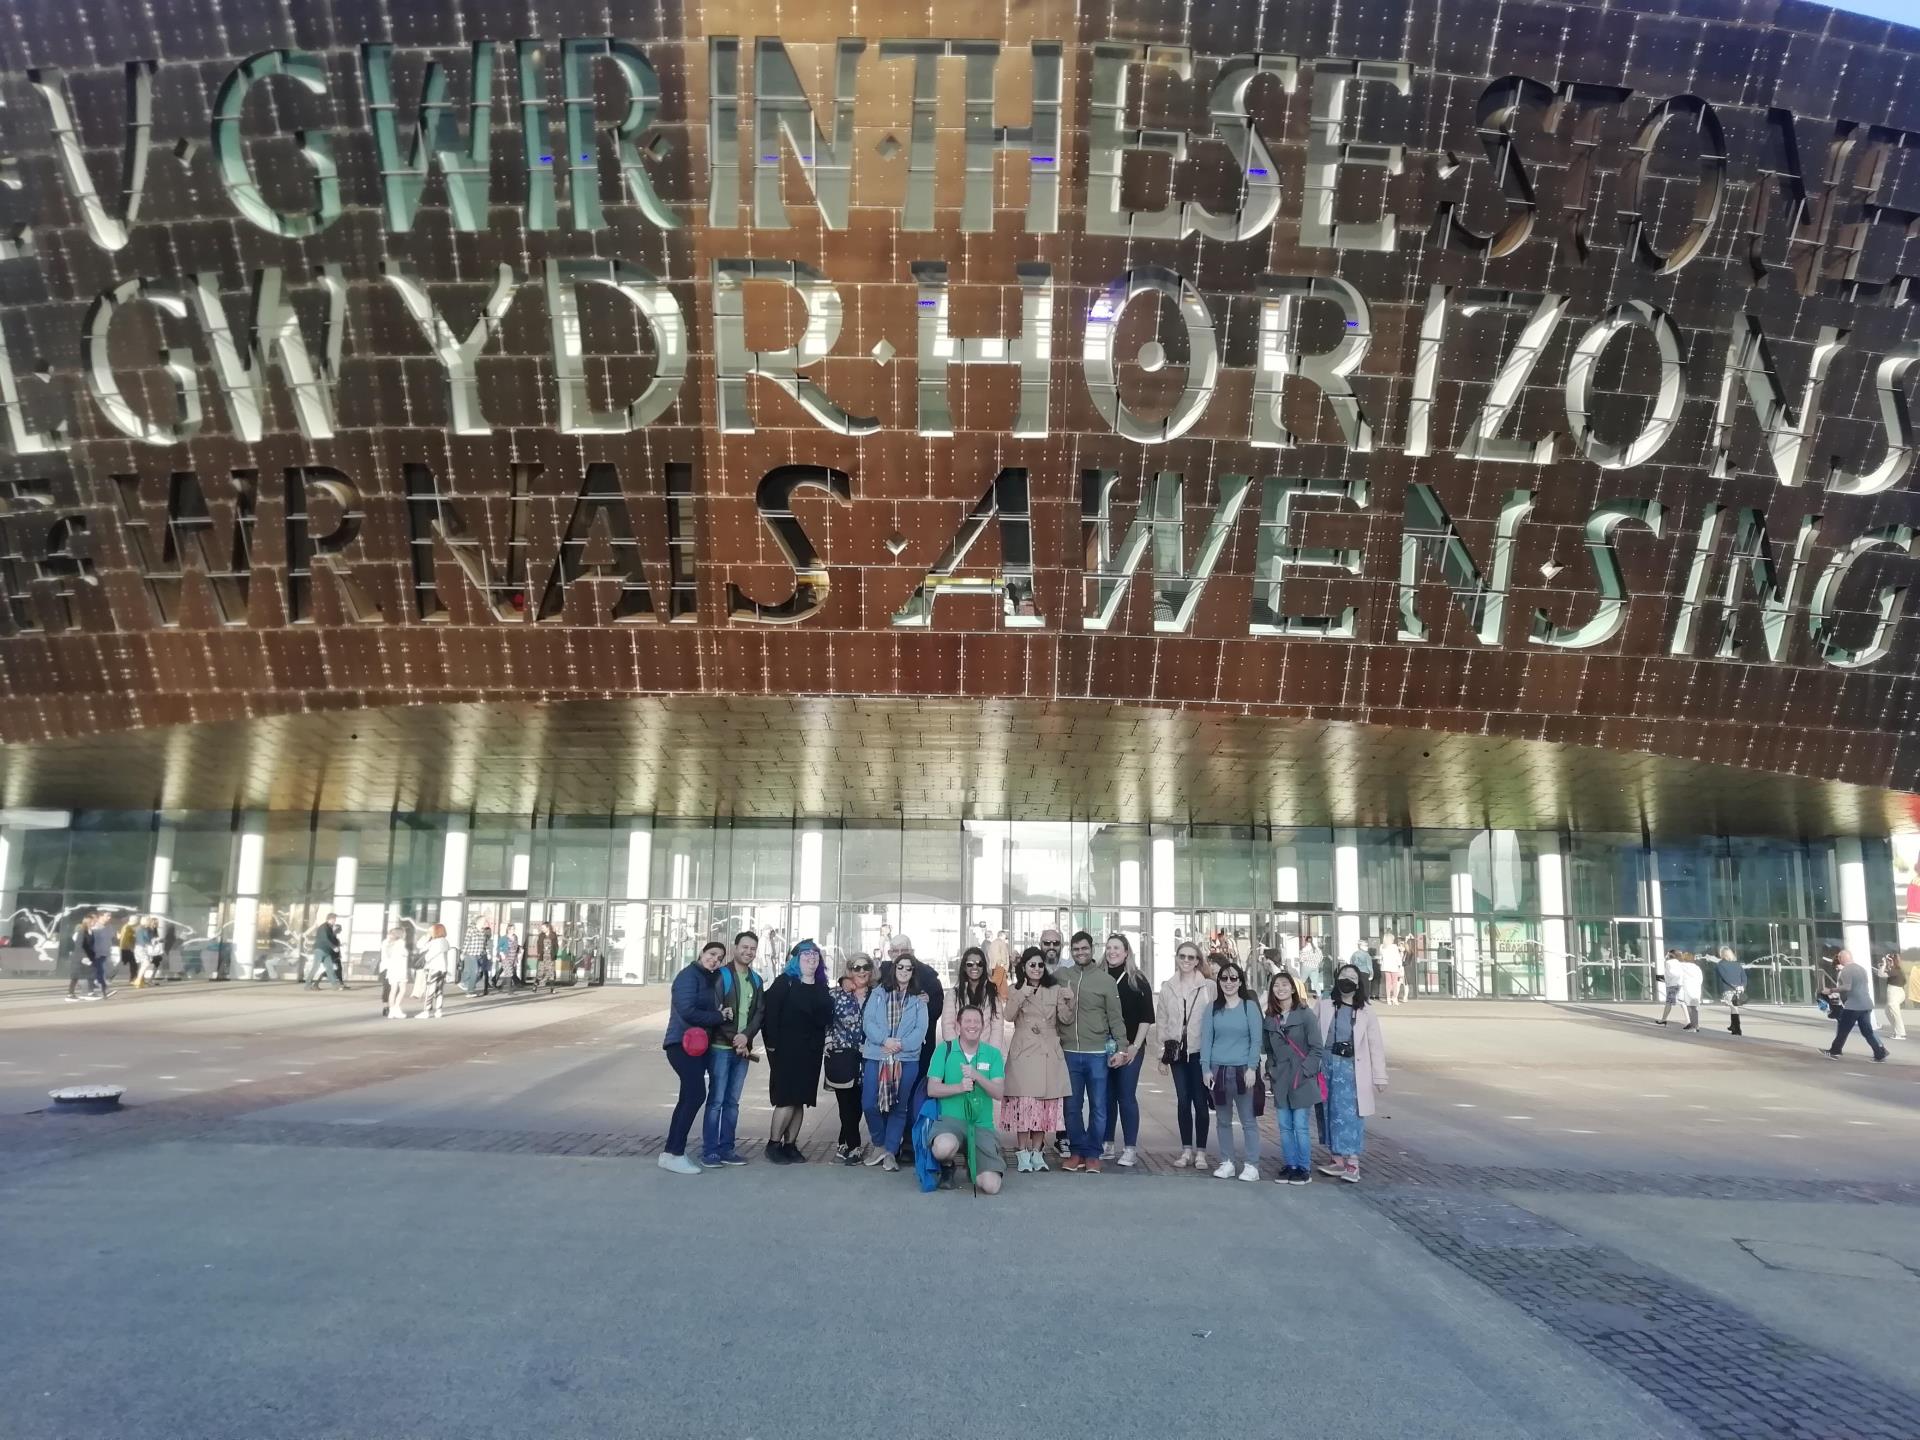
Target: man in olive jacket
x,y
1092,1034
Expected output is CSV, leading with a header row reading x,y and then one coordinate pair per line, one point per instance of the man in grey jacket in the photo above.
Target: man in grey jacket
x,y
1092,1035
1852,999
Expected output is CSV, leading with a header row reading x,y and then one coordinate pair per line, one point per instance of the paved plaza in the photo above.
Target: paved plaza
x,y
311,1222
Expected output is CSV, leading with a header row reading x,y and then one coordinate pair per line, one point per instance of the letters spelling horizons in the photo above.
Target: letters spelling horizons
x,y
1819,238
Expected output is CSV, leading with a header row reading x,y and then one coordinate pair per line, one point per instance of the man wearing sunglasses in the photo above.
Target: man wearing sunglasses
x,y
1050,948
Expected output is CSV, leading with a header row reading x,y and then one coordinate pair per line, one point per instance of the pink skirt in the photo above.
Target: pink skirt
x,y
1032,1115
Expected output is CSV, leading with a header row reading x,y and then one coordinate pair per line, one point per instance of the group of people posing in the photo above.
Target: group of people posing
x,y
1051,1058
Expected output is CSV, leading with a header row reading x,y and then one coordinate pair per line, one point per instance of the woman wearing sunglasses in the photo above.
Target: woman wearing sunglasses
x,y
1230,1045
844,1040
799,1010
1356,1064
1036,1078
895,1020
975,987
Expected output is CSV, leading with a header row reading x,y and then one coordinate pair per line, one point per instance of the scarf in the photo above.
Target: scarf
x,y
888,1090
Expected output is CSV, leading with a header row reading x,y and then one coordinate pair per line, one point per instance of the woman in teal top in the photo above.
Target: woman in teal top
x,y
1230,1044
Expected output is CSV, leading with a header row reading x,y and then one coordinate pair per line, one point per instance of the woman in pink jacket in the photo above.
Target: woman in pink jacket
x,y
1356,1068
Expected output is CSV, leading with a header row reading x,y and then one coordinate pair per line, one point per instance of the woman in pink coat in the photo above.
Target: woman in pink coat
x,y
1356,1068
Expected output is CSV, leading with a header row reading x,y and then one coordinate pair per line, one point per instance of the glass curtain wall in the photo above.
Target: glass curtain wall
x,y
1492,914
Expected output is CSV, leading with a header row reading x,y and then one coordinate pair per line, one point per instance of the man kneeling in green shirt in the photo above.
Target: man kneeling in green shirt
x,y
966,1077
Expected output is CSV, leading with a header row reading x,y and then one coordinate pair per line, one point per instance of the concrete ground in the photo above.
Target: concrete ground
x,y
312,1222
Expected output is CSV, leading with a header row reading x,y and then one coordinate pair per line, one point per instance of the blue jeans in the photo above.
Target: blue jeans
x,y
719,1129
1086,1122
887,1128
470,972
1123,1103
1849,1020
1296,1137
693,1094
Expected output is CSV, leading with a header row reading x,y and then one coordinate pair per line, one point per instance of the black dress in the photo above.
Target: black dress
x,y
795,1034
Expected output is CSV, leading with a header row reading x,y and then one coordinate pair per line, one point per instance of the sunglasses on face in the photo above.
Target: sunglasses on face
x,y
862,966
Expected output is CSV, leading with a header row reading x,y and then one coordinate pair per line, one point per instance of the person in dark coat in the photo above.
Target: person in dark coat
x,y
1733,984
799,1011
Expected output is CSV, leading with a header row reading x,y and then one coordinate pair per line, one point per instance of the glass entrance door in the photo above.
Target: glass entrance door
x,y
1615,959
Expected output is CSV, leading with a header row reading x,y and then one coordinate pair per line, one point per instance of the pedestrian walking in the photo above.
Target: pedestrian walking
x,y
1671,982
1124,1066
1890,989
1294,1060
1692,989
694,1016
842,1060
895,1022
326,954
1092,1031
1185,999
1230,1049
1852,997
1393,970
546,951
434,966
100,950
799,1012
473,949
129,957
1036,1067
1355,1061
1362,960
395,963
77,950
1733,985
507,959
743,1004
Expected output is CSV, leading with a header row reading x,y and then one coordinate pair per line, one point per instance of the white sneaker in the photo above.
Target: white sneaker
x,y
1026,1163
1250,1172
1040,1166
1225,1172
1129,1157
679,1165
1184,1159
396,1015
1106,1151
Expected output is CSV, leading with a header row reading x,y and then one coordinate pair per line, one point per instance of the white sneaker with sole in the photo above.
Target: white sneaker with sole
x,y
1226,1170
1129,1157
679,1165
1249,1172
1183,1159
1040,1166
1106,1151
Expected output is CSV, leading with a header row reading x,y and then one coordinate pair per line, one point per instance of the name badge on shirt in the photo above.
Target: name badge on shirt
x,y
983,1067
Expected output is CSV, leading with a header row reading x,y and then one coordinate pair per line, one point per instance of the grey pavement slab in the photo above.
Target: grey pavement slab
x,y
1835,1277
256,1291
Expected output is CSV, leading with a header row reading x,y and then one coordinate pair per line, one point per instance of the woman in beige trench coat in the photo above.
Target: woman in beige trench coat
x,y
1036,1080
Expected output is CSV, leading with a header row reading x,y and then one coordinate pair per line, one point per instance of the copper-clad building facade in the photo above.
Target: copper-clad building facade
x,y
1262,472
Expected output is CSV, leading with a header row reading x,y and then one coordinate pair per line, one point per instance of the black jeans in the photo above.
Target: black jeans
x,y
849,1102
1863,1019
1192,1106
693,1094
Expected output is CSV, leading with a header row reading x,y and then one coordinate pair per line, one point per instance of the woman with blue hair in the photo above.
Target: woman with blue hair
x,y
799,1012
